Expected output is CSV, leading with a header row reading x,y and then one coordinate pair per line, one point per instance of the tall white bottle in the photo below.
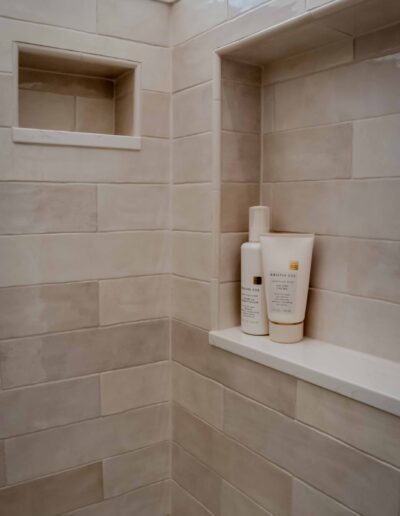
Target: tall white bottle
x,y
253,305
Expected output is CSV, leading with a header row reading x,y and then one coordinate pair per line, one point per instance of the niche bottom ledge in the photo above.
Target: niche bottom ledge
x,y
362,377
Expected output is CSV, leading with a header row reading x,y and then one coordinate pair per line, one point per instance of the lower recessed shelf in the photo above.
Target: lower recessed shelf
x,y
366,378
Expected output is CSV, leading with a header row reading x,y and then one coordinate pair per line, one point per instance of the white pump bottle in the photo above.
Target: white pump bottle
x,y
254,320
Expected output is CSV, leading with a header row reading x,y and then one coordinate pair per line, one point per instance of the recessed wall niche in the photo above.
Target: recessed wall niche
x,y
70,98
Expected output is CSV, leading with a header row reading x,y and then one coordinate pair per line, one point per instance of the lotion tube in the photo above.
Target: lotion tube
x,y
286,263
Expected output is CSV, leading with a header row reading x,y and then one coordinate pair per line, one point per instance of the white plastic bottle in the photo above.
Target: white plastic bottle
x,y
254,318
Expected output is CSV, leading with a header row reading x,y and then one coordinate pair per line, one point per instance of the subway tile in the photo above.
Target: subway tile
x,y
357,480
378,43
236,200
47,308
143,21
134,299
30,259
94,115
313,153
366,89
134,387
265,483
240,72
241,107
192,110
198,394
52,450
6,100
80,164
151,500
235,503
44,406
192,159
190,347
42,110
240,155
55,494
364,209
229,305
183,504
354,322
310,502
266,191
376,151
132,207
124,122
132,470
77,14
192,207
57,356
45,208
155,114
364,427
368,268
268,109
189,18
192,254
200,481
191,301
230,243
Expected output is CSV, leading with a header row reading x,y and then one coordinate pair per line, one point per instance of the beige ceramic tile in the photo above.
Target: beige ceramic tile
x,y
51,450
266,192
132,470
134,299
132,207
125,83
241,107
191,301
190,347
235,503
134,387
6,100
362,426
47,308
236,200
310,502
304,154
241,155
370,487
192,110
64,355
45,208
354,322
43,110
312,4
268,109
54,494
183,504
192,207
368,268
229,305
198,394
151,500
124,122
200,481
366,209
192,159
240,72
155,114
94,115
142,21
192,254
376,152
381,42
54,404
230,243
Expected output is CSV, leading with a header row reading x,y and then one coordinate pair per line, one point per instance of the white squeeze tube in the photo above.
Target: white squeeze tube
x,y
286,263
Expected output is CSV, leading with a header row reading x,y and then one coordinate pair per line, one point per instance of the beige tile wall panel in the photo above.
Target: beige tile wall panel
x,y
236,199
155,114
47,208
268,109
190,347
134,299
41,110
63,355
241,107
240,157
357,480
47,308
73,257
132,207
383,41
192,110
191,301
192,159
55,494
192,254
183,504
229,305
235,503
229,267
6,100
136,469
192,207
124,115
94,115
310,502
240,72
52,450
134,387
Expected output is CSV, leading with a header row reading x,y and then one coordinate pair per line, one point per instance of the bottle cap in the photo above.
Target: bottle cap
x,y
286,333
259,222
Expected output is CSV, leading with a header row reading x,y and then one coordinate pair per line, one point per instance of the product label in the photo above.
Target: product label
x,y
282,291
251,304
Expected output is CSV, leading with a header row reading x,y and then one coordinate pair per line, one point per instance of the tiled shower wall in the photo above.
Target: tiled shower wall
x,y
84,297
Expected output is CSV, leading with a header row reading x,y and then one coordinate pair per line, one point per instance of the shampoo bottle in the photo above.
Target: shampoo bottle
x,y
253,305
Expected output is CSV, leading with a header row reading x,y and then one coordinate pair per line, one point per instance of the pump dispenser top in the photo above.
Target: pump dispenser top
x,y
259,222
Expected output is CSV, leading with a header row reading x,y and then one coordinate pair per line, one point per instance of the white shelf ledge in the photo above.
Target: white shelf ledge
x,y
366,378
75,139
